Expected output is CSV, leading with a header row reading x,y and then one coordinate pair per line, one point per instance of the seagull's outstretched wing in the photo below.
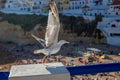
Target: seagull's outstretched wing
x,y
54,10
53,26
41,41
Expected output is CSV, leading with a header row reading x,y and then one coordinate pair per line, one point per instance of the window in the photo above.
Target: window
x,y
39,2
83,2
70,8
73,3
67,2
28,9
86,2
113,25
90,14
8,6
84,13
95,14
59,3
21,8
10,1
114,34
116,13
61,8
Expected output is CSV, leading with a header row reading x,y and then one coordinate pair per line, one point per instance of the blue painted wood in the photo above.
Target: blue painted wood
x,y
93,69
4,75
79,70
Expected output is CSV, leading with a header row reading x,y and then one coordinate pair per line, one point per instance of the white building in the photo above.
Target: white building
x,y
111,29
96,7
25,6
18,6
39,5
77,4
75,8
91,8
110,26
114,9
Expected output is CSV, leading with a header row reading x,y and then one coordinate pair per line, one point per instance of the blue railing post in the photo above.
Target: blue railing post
x,y
92,69
79,70
4,75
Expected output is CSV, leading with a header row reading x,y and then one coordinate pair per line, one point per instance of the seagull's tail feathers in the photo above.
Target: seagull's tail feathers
x,y
41,51
41,41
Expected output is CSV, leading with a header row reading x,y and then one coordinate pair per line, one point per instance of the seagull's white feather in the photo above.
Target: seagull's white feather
x,y
51,35
51,50
38,39
52,30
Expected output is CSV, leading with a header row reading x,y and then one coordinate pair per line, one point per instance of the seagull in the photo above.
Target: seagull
x,y
51,44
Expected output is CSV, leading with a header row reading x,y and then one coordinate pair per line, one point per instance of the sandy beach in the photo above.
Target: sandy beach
x,y
17,54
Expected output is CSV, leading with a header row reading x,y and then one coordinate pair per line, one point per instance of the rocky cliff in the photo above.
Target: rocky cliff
x,y
14,33
18,28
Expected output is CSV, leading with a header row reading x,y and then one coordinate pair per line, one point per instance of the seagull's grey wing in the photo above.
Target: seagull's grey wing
x,y
41,41
51,36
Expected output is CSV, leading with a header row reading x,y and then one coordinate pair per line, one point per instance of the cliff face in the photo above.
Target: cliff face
x,y
14,33
9,32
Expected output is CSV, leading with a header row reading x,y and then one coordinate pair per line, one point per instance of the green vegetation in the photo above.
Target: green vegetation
x,y
82,27
27,22
74,24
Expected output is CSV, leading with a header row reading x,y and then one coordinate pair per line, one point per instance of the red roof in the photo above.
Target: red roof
x,y
116,2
